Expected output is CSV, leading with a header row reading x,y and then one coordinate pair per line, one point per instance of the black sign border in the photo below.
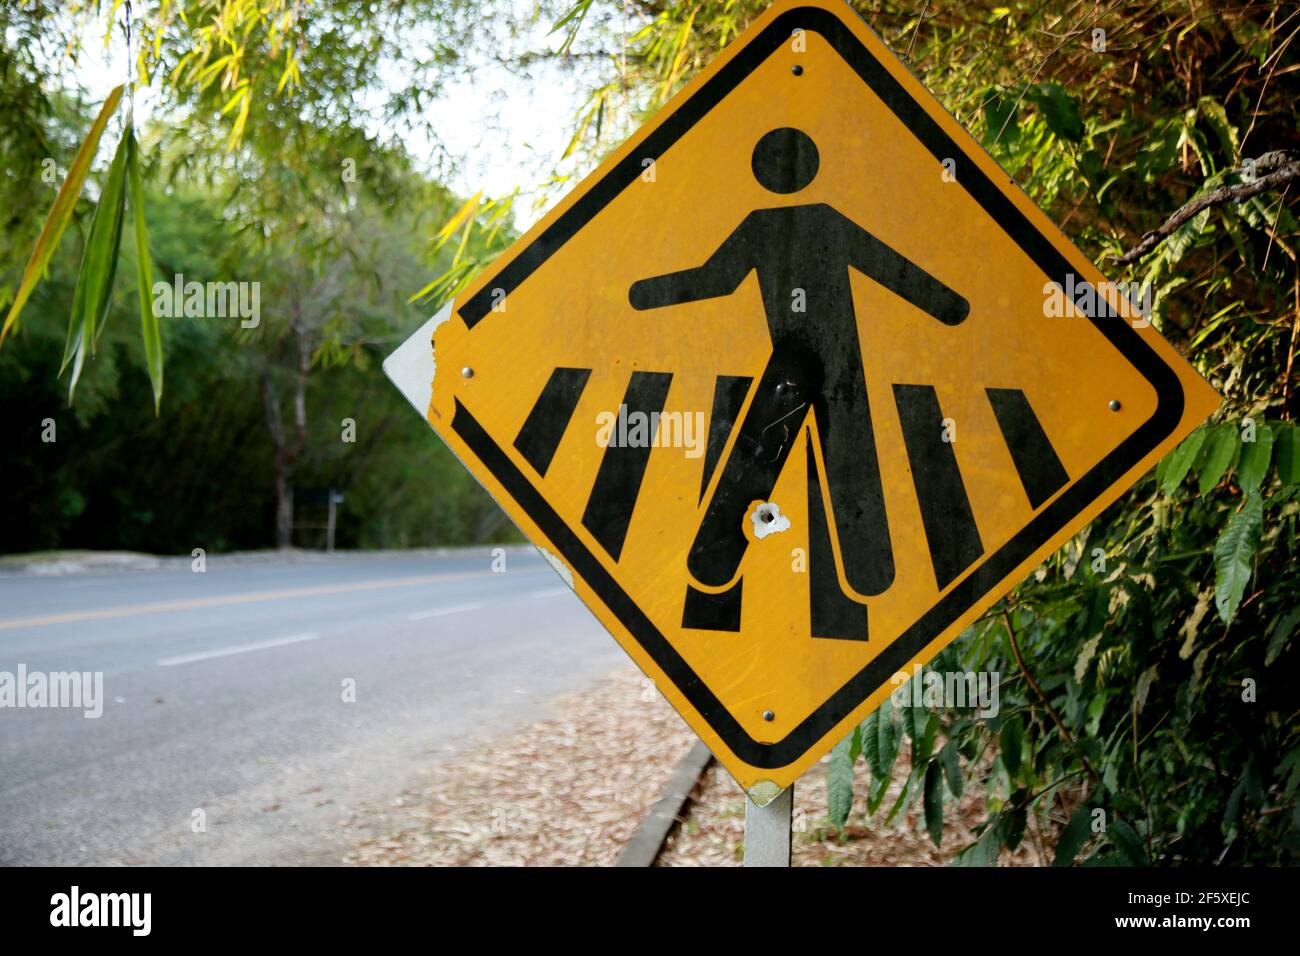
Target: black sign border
x,y
980,580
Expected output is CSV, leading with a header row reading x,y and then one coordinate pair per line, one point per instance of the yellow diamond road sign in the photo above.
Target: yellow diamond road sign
x,y
795,386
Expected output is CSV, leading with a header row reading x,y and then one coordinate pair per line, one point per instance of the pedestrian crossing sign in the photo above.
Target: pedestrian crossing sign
x,y
795,386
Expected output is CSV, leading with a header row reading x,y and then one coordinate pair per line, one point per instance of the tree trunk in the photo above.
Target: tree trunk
x,y
283,505
286,453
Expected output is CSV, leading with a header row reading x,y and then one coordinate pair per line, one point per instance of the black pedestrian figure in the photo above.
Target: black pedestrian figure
x,y
802,255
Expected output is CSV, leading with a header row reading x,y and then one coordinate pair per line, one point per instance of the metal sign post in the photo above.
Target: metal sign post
x,y
767,830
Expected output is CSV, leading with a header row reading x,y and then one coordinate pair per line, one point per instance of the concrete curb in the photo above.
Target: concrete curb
x,y
648,840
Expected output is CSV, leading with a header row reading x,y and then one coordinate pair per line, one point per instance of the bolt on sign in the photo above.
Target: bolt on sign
x,y
781,389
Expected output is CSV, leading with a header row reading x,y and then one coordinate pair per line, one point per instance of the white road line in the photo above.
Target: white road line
x,y
236,649
454,609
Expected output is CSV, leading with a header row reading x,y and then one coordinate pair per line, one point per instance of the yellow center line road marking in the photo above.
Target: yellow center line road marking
x,y
236,649
162,607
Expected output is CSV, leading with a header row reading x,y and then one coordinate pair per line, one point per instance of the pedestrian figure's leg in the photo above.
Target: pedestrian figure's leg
x,y
848,447
833,613
763,442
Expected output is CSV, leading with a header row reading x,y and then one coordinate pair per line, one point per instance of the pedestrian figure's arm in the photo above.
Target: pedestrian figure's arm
x,y
905,279
719,276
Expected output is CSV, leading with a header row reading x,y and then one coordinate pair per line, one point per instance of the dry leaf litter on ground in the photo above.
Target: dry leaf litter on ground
x,y
572,788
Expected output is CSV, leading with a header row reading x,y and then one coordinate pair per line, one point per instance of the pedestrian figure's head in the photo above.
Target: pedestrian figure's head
x,y
785,160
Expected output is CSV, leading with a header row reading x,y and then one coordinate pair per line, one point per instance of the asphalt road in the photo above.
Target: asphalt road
x,y
224,692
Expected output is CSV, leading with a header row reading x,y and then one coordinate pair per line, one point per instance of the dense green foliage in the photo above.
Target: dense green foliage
x,y
201,473
1154,663
290,189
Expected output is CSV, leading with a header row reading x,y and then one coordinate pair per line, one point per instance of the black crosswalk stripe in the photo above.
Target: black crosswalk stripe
x,y
950,531
546,423
618,481
1041,472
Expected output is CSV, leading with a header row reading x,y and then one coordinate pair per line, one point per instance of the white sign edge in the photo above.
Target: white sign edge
x,y
411,366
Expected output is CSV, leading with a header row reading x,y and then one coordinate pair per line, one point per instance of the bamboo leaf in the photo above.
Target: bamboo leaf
x,y
290,71
573,20
149,331
61,212
241,119
450,226
94,289
579,132
240,94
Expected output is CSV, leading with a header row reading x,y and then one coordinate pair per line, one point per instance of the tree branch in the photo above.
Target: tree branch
x,y
1286,169
1042,698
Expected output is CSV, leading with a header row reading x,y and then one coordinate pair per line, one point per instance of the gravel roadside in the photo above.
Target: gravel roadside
x,y
571,789
568,790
